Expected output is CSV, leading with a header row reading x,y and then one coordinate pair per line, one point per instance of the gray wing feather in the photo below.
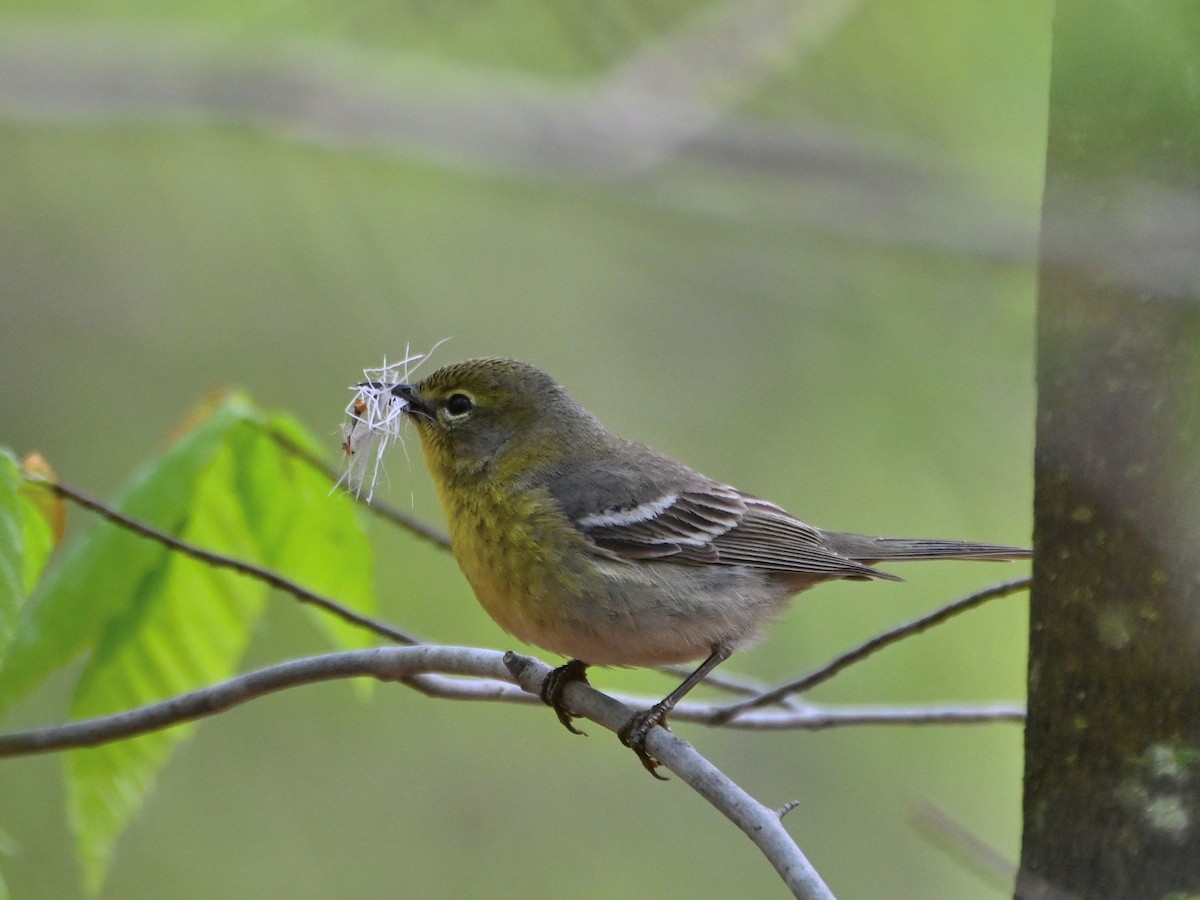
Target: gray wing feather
x,y
876,549
653,507
716,524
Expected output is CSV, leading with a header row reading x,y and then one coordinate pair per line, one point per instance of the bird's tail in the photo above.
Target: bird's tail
x,y
870,550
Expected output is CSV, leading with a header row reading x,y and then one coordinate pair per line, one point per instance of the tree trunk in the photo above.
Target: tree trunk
x,y
1112,743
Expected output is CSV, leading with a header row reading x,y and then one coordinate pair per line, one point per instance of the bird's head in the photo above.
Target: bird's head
x,y
495,415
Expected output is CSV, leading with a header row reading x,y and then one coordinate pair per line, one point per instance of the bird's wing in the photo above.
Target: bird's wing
x,y
718,525
769,537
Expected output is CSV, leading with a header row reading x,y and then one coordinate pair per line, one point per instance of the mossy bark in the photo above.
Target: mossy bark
x,y
1112,744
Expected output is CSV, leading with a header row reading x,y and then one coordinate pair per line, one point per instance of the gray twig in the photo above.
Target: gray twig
x,y
874,645
259,573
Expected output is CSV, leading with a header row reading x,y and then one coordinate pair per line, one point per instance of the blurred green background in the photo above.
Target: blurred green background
x,y
790,243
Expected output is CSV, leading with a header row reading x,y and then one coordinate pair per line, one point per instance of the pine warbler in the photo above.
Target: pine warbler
x,y
607,552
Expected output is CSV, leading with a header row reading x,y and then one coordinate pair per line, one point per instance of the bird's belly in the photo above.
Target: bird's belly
x,y
645,613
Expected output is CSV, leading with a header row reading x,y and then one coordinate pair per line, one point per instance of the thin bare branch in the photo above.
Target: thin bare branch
x,y
874,645
438,671
258,573
759,822
953,838
729,682
796,717
820,718
408,664
454,673
404,664
983,859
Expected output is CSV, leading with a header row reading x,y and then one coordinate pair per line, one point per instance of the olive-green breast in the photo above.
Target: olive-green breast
x,y
512,550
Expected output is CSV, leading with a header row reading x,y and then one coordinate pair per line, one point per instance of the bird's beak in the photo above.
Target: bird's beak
x,y
415,405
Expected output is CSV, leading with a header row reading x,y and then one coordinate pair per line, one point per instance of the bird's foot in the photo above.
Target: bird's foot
x,y
554,685
634,733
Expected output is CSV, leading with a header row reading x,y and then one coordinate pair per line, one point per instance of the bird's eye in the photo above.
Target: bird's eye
x,y
458,405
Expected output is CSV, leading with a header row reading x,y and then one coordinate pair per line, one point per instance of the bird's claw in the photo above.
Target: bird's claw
x,y
554,685
634,733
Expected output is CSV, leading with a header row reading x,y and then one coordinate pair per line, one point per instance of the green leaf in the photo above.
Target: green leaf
x,y
324,545
189,623
186,627
106,574
160,623
39,536
12,549
26,539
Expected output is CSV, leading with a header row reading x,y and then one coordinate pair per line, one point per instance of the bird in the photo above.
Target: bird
x,y
609,553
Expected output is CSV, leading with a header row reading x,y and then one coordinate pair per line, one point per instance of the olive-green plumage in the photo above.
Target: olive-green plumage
x,y
589,545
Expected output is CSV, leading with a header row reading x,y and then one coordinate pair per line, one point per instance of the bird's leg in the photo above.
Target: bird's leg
x,y
635,731
554,685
